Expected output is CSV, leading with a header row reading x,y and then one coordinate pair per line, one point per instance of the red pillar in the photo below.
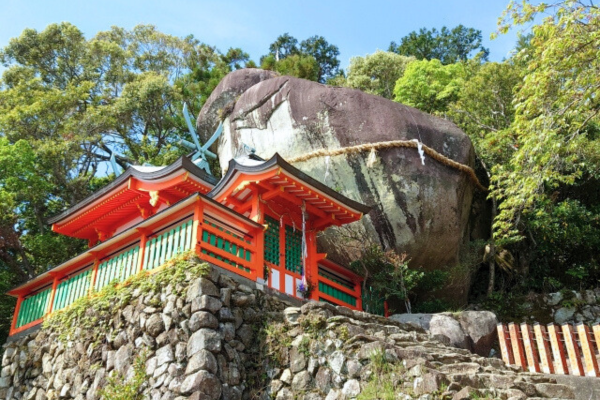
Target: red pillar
x,y
258,256
312,268
13,325
52,295
143,241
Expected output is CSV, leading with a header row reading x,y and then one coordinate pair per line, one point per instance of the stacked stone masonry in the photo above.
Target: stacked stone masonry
x,y
207,344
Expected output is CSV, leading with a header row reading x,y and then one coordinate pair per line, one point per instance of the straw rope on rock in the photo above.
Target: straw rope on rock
x,y
392,144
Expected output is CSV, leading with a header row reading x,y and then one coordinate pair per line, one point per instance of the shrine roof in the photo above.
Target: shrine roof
x,y
309,190
119,192
129,235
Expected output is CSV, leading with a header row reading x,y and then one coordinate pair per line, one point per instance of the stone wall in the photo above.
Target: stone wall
x,y
201,334
573,307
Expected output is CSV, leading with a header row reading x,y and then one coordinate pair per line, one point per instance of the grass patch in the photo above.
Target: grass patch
x,y
386,382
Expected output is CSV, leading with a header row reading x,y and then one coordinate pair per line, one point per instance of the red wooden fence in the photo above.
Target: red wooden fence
x,y
563,350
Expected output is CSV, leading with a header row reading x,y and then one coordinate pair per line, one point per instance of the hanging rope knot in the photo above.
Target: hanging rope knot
x,y
372,159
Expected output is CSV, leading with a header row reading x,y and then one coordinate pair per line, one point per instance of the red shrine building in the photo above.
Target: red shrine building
x,y
259,221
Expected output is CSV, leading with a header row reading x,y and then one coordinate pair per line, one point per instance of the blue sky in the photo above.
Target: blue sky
x,y
356,27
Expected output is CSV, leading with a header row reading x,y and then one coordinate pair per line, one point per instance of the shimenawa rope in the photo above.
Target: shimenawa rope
x,y
373,147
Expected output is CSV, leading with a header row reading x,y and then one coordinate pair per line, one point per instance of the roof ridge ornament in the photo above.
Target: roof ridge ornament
x,y
201,152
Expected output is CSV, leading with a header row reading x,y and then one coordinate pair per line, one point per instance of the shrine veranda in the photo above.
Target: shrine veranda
x,y
259,221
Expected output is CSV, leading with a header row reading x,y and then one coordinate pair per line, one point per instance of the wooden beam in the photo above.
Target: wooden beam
x,y
587,348
505,349
572,350
558,350
517,345
541,337
529,343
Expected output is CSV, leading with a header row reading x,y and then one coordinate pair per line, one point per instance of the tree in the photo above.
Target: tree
x,y
300,66
448,46
284,46
429,85
236,58
66,103
485,112
556,116
377,73
315,47
324,53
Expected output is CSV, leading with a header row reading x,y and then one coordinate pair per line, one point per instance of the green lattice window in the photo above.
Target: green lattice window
x,y
293,250
272,241
337,294
34,307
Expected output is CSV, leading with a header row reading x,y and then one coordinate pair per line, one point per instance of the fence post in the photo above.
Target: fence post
x,y
541,338
558,350
504,340
591,365
596,330
517,345
528,341
572,350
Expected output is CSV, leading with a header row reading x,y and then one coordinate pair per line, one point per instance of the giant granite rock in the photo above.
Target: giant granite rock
x,y
422,210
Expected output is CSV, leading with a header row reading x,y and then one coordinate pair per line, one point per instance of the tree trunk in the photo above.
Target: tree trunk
x,y
491,281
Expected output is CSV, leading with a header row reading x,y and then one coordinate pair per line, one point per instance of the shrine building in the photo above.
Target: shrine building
x,y
259,221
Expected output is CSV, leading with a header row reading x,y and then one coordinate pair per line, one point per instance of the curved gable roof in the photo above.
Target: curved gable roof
x,y
144,174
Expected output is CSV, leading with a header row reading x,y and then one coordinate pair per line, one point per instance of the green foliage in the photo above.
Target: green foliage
x,y
314,59
568,235
94,311
448,46
300,66
390,275
556,112
67,102
376,73
119,388
430,86
507,306
432,306
385,381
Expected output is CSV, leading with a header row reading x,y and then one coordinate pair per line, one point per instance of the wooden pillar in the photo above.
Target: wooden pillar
x,y
312,267
541,338
529,343
558,350
196,227
504,340
358,290
142,253
257,215
13,325
517,345
94,272
282,269
52,295
587,348
572,350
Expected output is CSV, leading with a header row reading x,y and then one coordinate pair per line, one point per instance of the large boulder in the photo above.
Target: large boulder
x,y
471,330
422,210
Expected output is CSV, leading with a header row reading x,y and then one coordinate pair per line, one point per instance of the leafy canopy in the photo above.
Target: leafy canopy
x,y
447,45
377,73
286,47
429,85
556,110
